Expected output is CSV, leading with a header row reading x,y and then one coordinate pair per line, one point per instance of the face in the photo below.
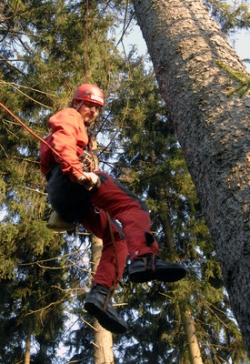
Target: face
x,y
89,111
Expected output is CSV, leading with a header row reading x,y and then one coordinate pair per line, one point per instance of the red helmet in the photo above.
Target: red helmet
x,y
89,92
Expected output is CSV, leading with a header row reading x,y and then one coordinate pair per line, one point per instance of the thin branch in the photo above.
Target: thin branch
x,y
87,323
45,308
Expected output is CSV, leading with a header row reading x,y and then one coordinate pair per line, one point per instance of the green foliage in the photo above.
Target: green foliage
x,y
151,163
231,16
44,48
44,45
44,276
241,78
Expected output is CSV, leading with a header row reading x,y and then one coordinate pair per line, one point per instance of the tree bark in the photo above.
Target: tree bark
x,y
193,345
184,44
28,346
103,352
103,342
2,6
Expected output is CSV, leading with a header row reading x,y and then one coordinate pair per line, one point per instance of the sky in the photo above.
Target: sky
x,y
240,42
242,46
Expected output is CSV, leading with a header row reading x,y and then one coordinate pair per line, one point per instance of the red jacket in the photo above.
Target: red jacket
x,y
68,137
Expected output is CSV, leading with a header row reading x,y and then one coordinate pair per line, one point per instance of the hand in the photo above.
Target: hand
x,y
89,181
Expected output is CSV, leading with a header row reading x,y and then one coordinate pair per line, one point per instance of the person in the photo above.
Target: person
x,y
80,194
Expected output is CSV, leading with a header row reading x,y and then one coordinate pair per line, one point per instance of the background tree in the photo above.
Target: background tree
x,y
38,78
152,163
211,128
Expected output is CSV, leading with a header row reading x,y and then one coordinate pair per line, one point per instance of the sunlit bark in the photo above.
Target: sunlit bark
x,y
185,44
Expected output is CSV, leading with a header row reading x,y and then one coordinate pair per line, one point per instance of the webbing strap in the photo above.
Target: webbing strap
x,y
116,281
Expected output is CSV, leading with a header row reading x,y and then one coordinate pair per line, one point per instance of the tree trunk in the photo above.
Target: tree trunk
x,y
103,342
184,44
28,346
193,345
2,6
103,347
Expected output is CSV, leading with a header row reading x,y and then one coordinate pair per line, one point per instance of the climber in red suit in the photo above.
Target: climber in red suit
x,y
93,198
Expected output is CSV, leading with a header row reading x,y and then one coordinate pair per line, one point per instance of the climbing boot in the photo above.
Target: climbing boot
x,y
98,304
149,267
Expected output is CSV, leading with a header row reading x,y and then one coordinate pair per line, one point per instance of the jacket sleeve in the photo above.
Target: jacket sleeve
x,y
46,156
68,131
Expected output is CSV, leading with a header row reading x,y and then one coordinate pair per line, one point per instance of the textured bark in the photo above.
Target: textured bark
x,y
184,44
193,345
2,6
103,352
103,341
28,346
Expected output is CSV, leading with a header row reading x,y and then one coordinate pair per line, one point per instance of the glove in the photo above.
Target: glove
x,y
89,181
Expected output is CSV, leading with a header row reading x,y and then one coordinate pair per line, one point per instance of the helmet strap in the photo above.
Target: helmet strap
x,y
79,105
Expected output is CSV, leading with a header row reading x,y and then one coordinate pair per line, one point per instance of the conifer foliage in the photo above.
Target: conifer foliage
x,y
152,163
43,58
44,276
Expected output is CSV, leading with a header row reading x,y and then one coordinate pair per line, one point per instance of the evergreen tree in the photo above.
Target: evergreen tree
x,y
44,55
211,128
43,275
231,16
152,162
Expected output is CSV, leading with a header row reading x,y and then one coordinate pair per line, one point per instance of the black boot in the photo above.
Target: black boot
x,y
98,304
149,267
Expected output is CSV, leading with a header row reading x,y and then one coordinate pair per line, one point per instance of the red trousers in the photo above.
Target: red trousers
x,y
73,203
112,198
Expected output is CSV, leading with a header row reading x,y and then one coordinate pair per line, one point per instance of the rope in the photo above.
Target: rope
x,y
41,139
55,152
87,45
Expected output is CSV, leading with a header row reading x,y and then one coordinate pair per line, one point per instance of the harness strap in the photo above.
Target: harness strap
x,y
116,281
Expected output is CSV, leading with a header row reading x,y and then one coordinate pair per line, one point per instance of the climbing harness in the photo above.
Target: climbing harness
x,y
55,222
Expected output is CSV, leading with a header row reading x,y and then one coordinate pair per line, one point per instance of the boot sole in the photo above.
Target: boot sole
x,y
105,320
170,274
